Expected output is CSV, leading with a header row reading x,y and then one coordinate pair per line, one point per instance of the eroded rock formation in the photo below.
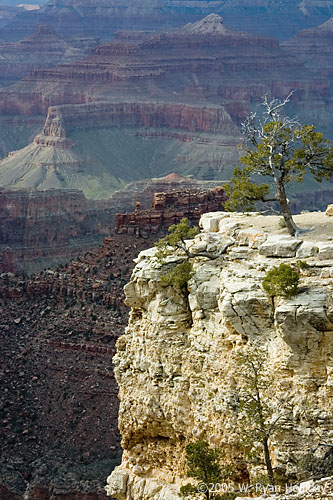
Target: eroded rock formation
x,y
206,57
168,208
176,366
99,147
43,228
166,86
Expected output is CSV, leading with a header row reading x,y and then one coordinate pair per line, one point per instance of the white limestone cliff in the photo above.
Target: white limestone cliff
x,y
175,365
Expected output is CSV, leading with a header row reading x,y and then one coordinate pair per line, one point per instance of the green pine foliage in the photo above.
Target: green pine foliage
x,y
203,465
179,275
175,240
282,280
260,412
243,192
174,245
280,149
203,462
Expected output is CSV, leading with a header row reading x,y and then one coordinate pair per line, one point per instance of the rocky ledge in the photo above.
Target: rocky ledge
x,y
176,366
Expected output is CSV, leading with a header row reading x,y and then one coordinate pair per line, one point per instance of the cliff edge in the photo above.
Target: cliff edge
x,y
176,367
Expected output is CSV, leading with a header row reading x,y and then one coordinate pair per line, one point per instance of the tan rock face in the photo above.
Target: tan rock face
x,y
176,367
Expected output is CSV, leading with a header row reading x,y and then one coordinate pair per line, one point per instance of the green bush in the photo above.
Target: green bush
x,y
282,280
175,244
179,276
188,490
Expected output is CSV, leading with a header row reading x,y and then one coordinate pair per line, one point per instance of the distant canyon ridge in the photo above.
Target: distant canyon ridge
x,y
103,17
148,103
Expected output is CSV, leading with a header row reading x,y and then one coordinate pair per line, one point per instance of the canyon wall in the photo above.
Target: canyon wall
x,y
100,147
163,65
44,48
59,396
40,229
177,367
146,104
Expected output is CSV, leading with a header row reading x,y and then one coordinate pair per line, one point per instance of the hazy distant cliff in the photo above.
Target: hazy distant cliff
x,y
175,365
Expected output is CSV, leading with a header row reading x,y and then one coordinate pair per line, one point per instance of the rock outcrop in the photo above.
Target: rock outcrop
x,y
168,208
176,364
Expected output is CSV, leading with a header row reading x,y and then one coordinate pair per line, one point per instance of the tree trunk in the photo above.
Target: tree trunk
x,y
285,208
268,462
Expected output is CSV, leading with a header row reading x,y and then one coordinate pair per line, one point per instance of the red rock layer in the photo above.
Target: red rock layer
x,y
169,66
210,119
40,228
168,208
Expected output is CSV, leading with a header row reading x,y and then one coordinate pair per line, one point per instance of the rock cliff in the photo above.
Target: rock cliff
x,y
176,367
39,229
168,208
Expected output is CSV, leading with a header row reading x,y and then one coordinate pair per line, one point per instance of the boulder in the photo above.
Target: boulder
x,y
278,245
307,249
210,221
325,250
329,210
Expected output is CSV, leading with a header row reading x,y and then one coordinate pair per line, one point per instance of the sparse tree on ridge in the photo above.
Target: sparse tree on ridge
x,y
283,150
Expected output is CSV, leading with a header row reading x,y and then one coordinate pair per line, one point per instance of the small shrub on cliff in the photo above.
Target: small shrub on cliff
x,y
203,465
317,467
282,280
174,244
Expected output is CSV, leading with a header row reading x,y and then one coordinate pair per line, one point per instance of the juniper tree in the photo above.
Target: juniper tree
x,y
280,148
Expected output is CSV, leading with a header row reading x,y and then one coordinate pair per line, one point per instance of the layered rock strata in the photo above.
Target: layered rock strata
x,y
176,364
43,228
314,47
100,147
41,50
206,57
